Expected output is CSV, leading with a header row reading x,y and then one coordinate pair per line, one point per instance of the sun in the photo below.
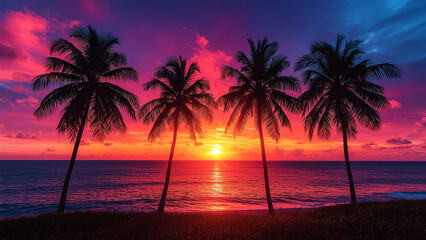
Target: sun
x,y
216,150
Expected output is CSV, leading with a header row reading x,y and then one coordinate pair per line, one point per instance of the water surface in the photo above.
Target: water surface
x,y
34,187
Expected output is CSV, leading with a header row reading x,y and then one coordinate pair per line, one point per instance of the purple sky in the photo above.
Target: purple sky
x,y
210,32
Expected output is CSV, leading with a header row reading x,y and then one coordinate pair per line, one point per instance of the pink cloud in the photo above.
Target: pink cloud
x,y
23,37
421,123
29,101
202,41
24,43
395,104
211,62
19,88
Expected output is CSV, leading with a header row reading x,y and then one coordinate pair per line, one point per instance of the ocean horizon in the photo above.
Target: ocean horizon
x,y
31,187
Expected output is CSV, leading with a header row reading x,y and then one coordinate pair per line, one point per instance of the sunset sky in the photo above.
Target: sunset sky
x,y
393,31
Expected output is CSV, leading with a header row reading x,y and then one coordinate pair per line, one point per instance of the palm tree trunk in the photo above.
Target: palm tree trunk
x,y
169,167
348,166
61,207
265,167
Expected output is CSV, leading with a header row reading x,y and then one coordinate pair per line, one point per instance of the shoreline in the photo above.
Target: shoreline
x,y
293,210
398,219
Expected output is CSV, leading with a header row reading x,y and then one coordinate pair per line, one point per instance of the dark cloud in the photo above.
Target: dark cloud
x,y
84,142
368,145
7,93
23,136
398,141
7,52
108,144
416,134
50,150
13,94
298,152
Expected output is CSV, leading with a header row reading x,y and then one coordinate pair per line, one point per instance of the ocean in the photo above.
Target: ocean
x,y
34,187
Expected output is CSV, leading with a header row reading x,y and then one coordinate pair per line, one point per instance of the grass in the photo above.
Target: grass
x,y
401,219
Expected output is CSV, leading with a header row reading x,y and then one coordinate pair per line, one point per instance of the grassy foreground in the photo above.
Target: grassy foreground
x,y
372,220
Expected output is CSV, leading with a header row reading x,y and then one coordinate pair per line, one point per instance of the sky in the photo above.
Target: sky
x,y
210,32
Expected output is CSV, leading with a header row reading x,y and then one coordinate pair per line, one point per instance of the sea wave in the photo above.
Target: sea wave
x,y
408,195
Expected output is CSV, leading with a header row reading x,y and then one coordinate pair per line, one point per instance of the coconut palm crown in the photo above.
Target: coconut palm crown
x,y
341,91
183,100
260,93
82,70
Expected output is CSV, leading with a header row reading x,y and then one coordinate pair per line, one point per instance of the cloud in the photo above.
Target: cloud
x,y
84,142
108,144
398,141
202,41
393,32
19,88
297,152
330,150
21,135
422,122
29,101
23,39
368,145
395,104
25,42
15,96
416,133
211,62
50,150
7,52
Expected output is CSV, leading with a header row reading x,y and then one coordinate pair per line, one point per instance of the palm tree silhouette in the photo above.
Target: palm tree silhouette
x,y
341,92
259,94
83,78
181,99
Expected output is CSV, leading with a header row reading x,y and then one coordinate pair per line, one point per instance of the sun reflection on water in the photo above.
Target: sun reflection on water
x,y
216,189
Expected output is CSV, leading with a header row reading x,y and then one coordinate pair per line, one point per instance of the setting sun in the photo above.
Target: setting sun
x,y
216,150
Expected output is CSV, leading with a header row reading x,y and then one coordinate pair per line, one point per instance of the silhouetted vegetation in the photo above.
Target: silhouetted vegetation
x,y
182,101
341,92
83,79
259,94
371,220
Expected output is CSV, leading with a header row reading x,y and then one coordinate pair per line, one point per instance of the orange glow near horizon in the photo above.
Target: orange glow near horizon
x,y
216,150
22,137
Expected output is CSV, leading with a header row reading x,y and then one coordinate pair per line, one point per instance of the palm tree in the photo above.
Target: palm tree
x,y
83,77
259,94
341,92
181,99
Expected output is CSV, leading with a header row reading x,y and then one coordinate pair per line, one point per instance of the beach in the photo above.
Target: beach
x,y
401,219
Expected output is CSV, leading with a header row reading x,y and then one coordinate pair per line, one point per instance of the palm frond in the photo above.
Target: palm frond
x,y
57,97
122,73
46,80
